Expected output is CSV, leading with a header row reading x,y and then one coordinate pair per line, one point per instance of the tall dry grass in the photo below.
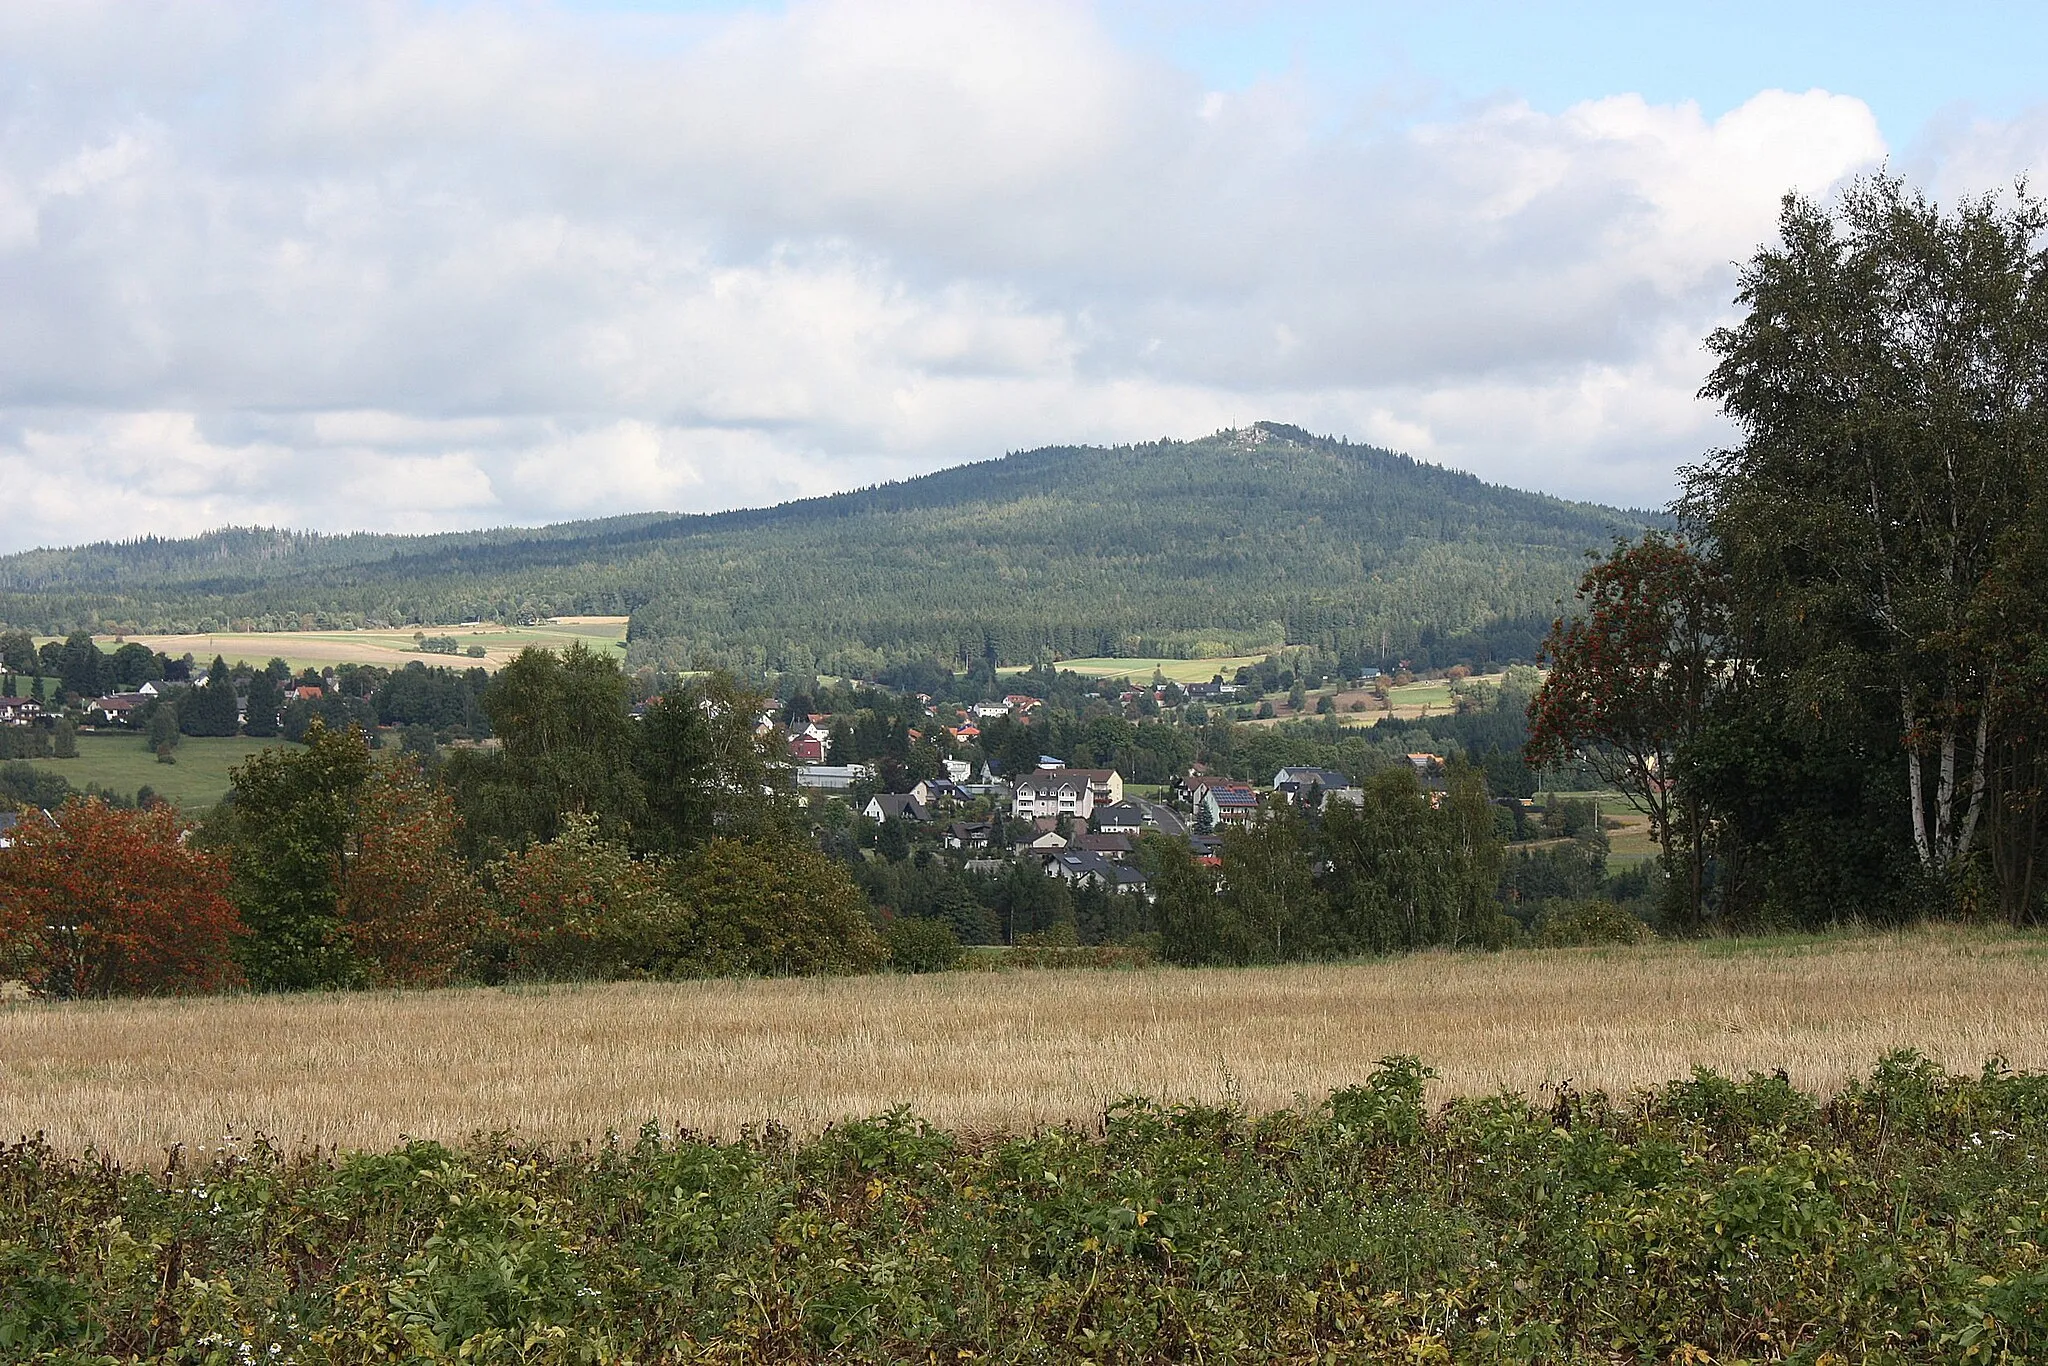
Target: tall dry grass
x,y
989,1050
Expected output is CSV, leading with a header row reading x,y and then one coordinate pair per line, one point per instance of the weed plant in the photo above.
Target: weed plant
x,y
1902,1220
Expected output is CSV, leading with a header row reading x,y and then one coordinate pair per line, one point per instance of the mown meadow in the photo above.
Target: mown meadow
x,y
1904,1219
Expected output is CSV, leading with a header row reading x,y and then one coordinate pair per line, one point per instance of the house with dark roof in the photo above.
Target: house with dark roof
x,y
899,805
1116,848
116,709
1124,818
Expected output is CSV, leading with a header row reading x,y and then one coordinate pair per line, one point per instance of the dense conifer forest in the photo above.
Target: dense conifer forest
x,y
1234,543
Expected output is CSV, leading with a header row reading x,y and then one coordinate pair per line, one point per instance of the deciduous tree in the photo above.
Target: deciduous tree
x,y
101,902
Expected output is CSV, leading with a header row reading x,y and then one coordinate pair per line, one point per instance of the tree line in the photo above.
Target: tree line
x,y
1827,685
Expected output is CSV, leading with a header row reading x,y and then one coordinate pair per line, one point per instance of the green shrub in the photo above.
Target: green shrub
x,y
1711,1220
1580,924
917,945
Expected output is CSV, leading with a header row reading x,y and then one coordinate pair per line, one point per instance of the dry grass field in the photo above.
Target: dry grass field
x,y
392,649
986,1051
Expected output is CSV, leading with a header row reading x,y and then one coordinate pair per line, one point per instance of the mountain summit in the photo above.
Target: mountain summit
x,y
1237,542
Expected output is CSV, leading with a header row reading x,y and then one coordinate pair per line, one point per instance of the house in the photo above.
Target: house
x,y
1043,843
115,709
305,692
19,711
895,805
1078,867
1121,818
806,749
1019,702
945,790
1294,783
831,777
1053,792
988,711
1429,771
8,821
959,770
967,835
1227,803
1115,848
149,690
986,867
1083,868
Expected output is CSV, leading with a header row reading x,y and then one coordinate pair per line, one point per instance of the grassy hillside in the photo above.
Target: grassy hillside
x,y
1233,544
121,762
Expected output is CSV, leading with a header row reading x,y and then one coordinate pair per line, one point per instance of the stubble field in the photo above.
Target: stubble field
x,y
983,1051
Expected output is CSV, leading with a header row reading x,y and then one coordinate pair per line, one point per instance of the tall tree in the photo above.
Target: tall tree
x,y
82,668
211,709
706,771
266,700
292,815
409,903
1890,382
1627,692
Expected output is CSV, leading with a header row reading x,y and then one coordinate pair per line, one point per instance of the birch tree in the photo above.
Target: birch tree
x,y
1887,381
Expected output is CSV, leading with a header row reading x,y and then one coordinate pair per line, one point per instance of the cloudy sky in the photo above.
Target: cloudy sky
x,y
413,266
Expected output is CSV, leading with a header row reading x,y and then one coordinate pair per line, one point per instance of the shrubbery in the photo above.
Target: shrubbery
x,y
1713,1220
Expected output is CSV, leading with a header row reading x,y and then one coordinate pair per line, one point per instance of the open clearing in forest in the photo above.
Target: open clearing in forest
x,y
1140,670
979,1051
392,649
121,761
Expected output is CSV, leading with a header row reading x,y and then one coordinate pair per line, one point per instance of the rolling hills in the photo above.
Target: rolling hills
x,y
1230,544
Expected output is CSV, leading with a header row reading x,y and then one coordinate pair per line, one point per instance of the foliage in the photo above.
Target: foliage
x,y
211,709
1890,382
1628,688
578,906
265,703
293,814
568,746
921,945
1580,924
100,902
1403,870
705,773
1717,1219
769,909
408,903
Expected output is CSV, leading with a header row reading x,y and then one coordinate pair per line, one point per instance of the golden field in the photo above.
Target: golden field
x,y
995,1050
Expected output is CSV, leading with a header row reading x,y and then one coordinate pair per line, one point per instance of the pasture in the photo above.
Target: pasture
x,y
1003,1051
120,761
391,649
1140,670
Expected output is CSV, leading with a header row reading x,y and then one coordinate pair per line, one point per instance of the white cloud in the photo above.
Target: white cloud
x,y
413,266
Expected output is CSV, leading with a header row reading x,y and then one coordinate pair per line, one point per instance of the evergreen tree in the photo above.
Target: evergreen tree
x,y
265,701
65,743
83,669
212,709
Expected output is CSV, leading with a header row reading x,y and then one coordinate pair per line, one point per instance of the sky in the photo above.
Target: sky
x,y
416,266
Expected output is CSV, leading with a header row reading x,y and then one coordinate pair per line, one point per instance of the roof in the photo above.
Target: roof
x,y
1051,780
901,804
1123,813
1099,843
1303,776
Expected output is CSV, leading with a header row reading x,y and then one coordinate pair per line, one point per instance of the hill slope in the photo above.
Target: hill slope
x,y
1229,544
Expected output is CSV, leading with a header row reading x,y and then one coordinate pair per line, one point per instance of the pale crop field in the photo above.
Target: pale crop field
x,y
995,1051
392,649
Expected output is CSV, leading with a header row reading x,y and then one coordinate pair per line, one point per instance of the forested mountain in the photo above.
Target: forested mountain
x,y
1237,542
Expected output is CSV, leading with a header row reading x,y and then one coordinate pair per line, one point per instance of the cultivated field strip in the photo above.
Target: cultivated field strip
x,y
984,1051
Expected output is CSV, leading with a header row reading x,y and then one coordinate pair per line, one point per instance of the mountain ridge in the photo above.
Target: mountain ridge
x,y
1227,540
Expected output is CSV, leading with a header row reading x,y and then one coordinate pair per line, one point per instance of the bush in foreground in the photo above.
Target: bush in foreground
x,y
1714,1220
